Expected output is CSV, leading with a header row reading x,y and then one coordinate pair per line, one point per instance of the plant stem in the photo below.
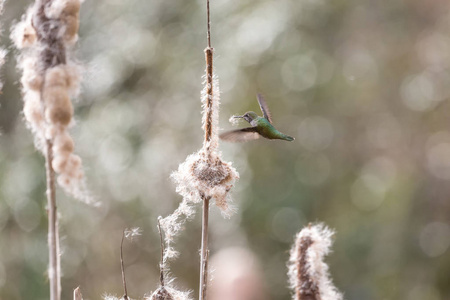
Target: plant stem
x,y
125,293
204,251
53,235
161,263
208,34
208,135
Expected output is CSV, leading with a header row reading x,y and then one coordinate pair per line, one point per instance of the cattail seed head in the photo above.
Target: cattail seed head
x,y
60,110
32,110
308,273
49,80
168,293
23,34
31,79
72,24
63,143
77,294
205,175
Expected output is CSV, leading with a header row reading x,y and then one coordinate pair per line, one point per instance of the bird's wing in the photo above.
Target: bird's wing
x,y
264,108
240,135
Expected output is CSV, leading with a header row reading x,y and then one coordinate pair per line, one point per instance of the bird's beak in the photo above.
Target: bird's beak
x,y
237,117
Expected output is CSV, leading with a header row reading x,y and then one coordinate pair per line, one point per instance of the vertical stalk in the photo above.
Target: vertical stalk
x,y
53,235
204,251
207,144
48,34
124,282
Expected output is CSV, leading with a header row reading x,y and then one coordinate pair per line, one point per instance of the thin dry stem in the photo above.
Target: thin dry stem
x,y
77,294
208,133
125,294
204,251
49,36
208,34
53,235
161,263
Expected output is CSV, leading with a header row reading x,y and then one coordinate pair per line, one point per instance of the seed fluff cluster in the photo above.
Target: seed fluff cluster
x,y
203,175
168,293
49,80
308,273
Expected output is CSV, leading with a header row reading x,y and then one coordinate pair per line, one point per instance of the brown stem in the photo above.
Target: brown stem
x,y
48,34
208,34
53,236
306,288
204,251
52,53
209,94
77,294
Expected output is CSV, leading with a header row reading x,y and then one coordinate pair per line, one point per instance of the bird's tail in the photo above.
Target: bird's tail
x,y
288,138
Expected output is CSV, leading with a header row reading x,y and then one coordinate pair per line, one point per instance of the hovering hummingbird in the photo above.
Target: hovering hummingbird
x,y
261,126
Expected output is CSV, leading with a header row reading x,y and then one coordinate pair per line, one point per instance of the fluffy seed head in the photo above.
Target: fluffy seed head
x,y
308,273
205,175
168,293
23,33
31,79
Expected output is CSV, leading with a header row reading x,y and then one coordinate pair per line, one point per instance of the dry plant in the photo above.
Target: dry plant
x,y
49,79
308,273
204,175
77,294
165,291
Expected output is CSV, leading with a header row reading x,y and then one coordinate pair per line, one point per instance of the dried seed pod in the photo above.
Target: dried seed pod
x,y
72,25
24,34
61,112
308,273
161,294
31,79
72,7
32,110
63,143
60,161
56,76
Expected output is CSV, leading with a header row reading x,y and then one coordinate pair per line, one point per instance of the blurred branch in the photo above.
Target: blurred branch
x,y
77,294
125,294
204,251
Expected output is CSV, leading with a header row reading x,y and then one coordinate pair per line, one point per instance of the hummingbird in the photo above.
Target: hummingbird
x,y
261,126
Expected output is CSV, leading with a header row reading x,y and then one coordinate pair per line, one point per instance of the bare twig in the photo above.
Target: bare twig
x,y
77,294
208,34
48,34
125,294
204,251
53,235
208,134
161,263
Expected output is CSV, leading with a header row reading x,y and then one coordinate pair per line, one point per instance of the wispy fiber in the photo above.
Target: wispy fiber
x,y
49,80
308,273
204,176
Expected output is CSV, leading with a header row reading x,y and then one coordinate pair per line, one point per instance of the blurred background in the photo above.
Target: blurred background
x,y
364,86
